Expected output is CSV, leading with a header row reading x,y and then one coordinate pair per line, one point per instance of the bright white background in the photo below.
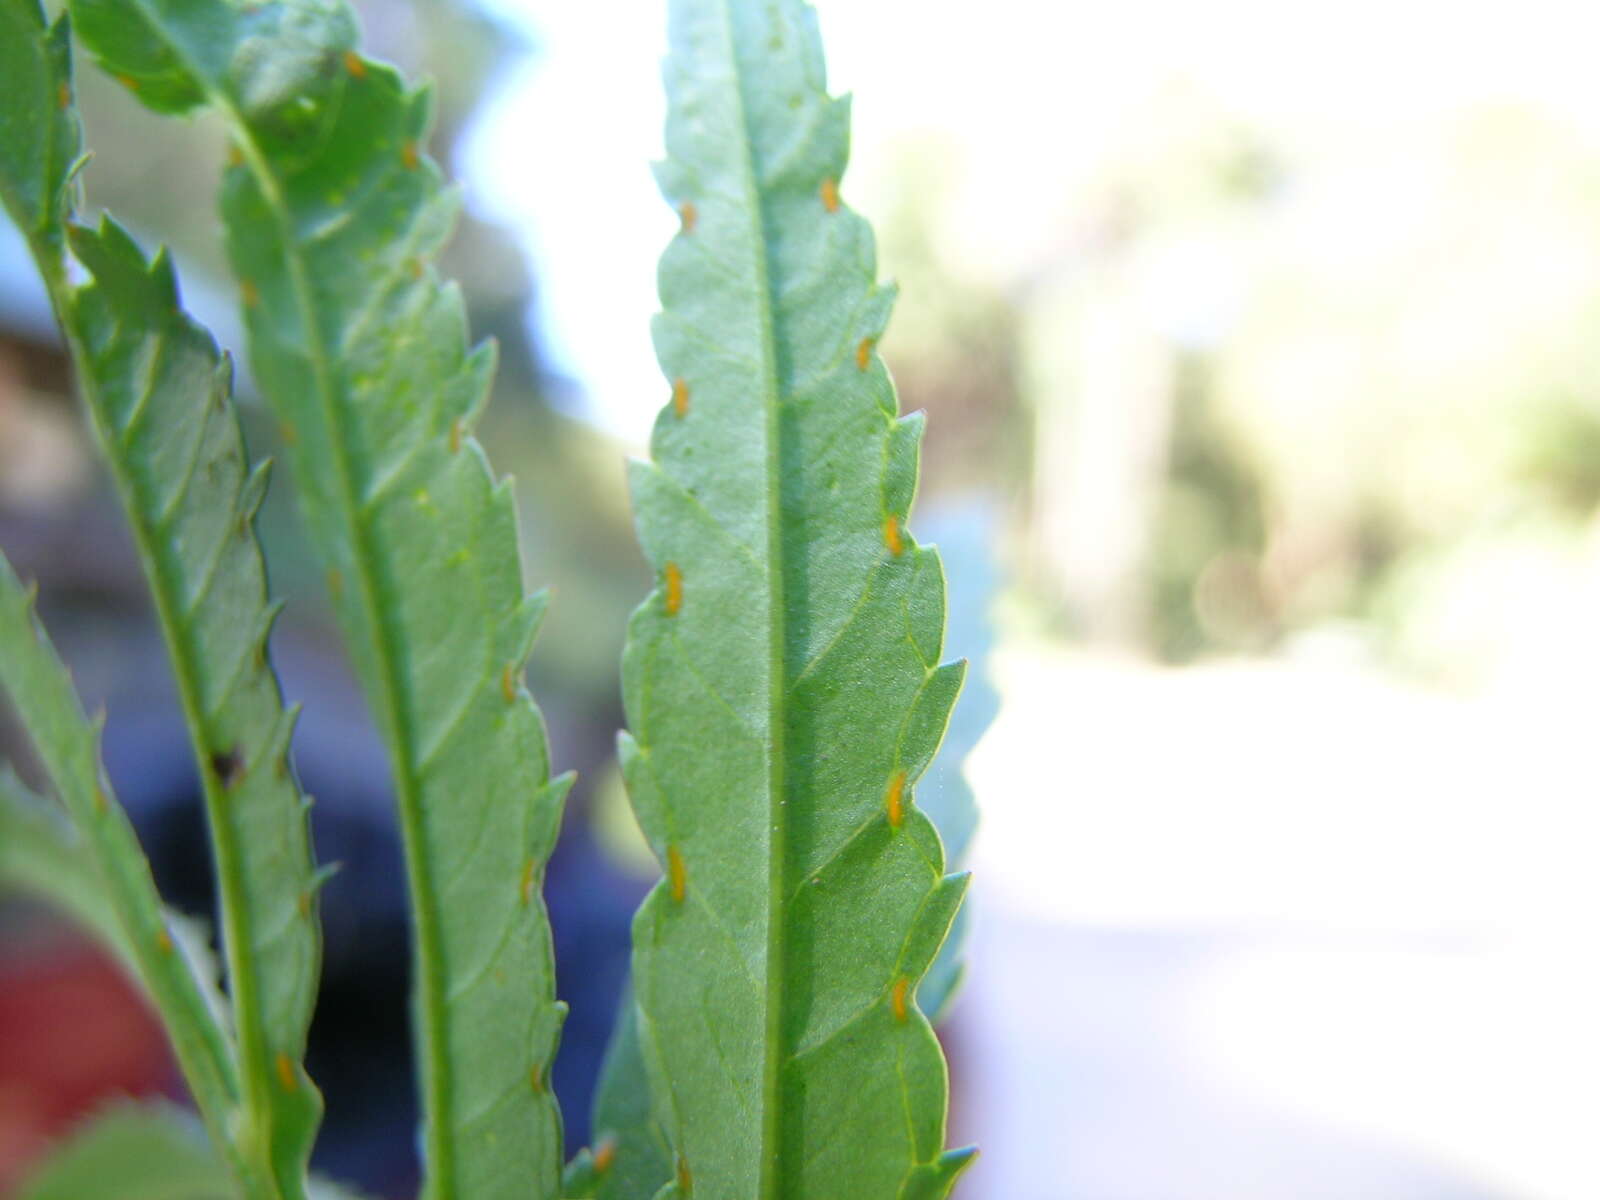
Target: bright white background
x,y
1255,929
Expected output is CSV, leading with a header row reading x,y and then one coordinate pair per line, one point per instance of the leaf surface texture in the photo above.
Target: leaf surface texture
x,y
159,397
334,214
782,683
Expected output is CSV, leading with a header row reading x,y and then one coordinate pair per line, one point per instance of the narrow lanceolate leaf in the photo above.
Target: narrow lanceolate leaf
x,y
783,681
333,215
68,746
159,398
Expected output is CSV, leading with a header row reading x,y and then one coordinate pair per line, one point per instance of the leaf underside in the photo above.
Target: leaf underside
x,y
159,397
782,683
333,216
180,986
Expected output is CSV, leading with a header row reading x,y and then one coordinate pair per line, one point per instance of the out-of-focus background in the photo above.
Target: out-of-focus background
x,y
1259,349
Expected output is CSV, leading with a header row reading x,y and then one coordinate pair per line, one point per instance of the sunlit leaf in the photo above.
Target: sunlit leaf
x,y
782,683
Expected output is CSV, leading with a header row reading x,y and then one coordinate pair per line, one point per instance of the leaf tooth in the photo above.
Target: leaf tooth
x,y
75,168
480,367
931,924
901,461
317,880
546,1051
466,394
925,607
933,1181
251,658
222,382
253,491
275,748
544,819
164,278
648,800
518,631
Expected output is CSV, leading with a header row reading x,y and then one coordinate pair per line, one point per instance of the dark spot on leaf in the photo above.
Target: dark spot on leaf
x,y
228,766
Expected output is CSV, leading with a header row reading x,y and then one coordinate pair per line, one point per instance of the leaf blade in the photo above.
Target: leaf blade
x,y
334,214
158,394
782,682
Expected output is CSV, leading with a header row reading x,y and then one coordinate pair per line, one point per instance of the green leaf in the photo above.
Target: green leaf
x,y
68,745
159,398
334,215
133,1152
41,853
783,681
39,138
630,1157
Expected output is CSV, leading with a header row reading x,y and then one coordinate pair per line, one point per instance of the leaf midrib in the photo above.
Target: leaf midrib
x,y
243,989
772,1149
238,946
434,1065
